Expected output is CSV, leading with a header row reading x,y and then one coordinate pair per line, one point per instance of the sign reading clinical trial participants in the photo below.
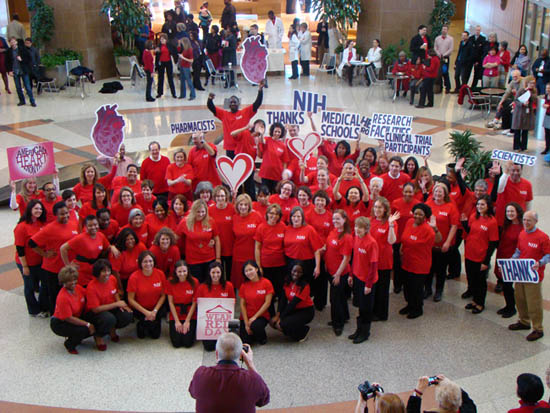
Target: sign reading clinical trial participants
x,y
213,315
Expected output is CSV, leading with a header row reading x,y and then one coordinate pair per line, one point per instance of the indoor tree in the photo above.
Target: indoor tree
x,y
42,22
127,17
441,14
344,13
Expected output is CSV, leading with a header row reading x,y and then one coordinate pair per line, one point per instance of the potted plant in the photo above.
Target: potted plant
x,y
465,145
344,13
441,14
127,17
54,64
476,165
42,22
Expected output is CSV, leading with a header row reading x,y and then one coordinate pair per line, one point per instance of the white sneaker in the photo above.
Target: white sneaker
x,y
510,133
505,132
490,124
305,337
43,314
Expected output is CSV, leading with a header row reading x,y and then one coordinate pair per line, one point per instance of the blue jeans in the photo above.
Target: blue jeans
x,y
28,87
31,283
185,77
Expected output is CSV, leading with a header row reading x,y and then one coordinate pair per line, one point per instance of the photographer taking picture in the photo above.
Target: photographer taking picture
x,y
384,402
448,395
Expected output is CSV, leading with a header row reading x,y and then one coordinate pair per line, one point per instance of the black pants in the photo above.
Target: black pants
x,y
75,334
277,277
440,260
305,67
465,72
349,72
36,281
520,139
183,340
382,294
458,75
270,183
53,288
364,302
258,331
229,78
478,74
398,273
319,289
230,154
200,271
427,89
197,67
227,263
294,325
413,89
148,328
166,66
149,85
414,292
339,310
547,139
477,280
455,261
294,65
209,345
249,186
105,321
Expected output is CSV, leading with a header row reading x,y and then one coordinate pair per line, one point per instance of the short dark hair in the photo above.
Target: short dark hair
x,y
15,16
102,211
145,254
99,266
67,193
280,126
57,206
255,265
530,388
121,239
425,208
397,159
28,39
89,218
467,32
422,26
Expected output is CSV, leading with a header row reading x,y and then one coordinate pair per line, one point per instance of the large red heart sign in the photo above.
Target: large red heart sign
x,y
303,147
235,172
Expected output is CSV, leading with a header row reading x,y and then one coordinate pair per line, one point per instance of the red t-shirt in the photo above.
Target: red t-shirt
x,y
285,204
233,121
111,231
164,53
446,215
173,172
22,204
197,242
154,225
292,290
294,167
365,253
165,260
51,238
188,54
301,243
353,211
68,304
335,163
146,206
142,232
393,187
405,213
224,222
520,192
85,193
48,206
127,262
22,233
156,172
321,222
272,239
216,291
482,231
120,214
260,209
347,184
509,240
182,294
121,181
87,209
529,408
254,295
245,143
534,245
417,243
337,248
313,182
379,231
204,165
90,248
244,230
274,155
147,289
98,293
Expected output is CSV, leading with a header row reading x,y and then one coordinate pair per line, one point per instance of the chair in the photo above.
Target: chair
x,y
476,100
328,65
137,74
79,81
212,72
374,81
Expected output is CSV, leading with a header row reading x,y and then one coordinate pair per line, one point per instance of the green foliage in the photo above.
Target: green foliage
x,y
441,14
462,144
127,17
476,164
344,13
50,60
122,51
390,53
358,49
42,22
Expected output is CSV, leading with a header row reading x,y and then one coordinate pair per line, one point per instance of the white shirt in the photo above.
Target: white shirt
x,y
274,33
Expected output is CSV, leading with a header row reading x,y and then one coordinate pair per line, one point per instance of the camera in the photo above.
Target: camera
x,y
433,380
368,391
233,326
246,347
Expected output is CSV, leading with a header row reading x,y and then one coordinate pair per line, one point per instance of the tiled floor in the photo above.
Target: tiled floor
x,y
476,351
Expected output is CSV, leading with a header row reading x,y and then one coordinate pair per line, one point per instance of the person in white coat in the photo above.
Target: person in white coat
x,y
293,50
274,30
348,56
305,48
374,57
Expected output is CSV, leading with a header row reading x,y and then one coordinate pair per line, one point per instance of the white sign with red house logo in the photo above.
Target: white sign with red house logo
x,y
213,314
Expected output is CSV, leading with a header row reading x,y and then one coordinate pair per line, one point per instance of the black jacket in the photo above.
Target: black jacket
x,y
416,51
229,16
170,29
478,46
26,59
213,43
465,53
546,72
323,35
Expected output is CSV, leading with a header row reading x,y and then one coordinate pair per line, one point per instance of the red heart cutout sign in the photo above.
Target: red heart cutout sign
x,y
303,147
235,172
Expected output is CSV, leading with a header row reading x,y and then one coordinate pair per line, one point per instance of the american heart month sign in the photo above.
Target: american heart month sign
x,y
31,161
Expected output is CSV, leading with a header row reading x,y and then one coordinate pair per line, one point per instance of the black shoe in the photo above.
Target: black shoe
x,y
150,99
33,104
498,287
544,152
427,293
518,326
200,88
338,331
159,96
478,310
293,77
376,318
396,290
447,91
430,105
509,313
455,91
263,341
420,106
21,104
329,323
437,296
355,334
361,337
469,306
404,310
140,330
466,294
502,310
182,97
412,316
192,98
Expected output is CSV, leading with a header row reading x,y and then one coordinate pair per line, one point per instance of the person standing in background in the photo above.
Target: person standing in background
x,y
463,62
322,39
229,15
305,48
444,46
16,29
274,30
478,46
